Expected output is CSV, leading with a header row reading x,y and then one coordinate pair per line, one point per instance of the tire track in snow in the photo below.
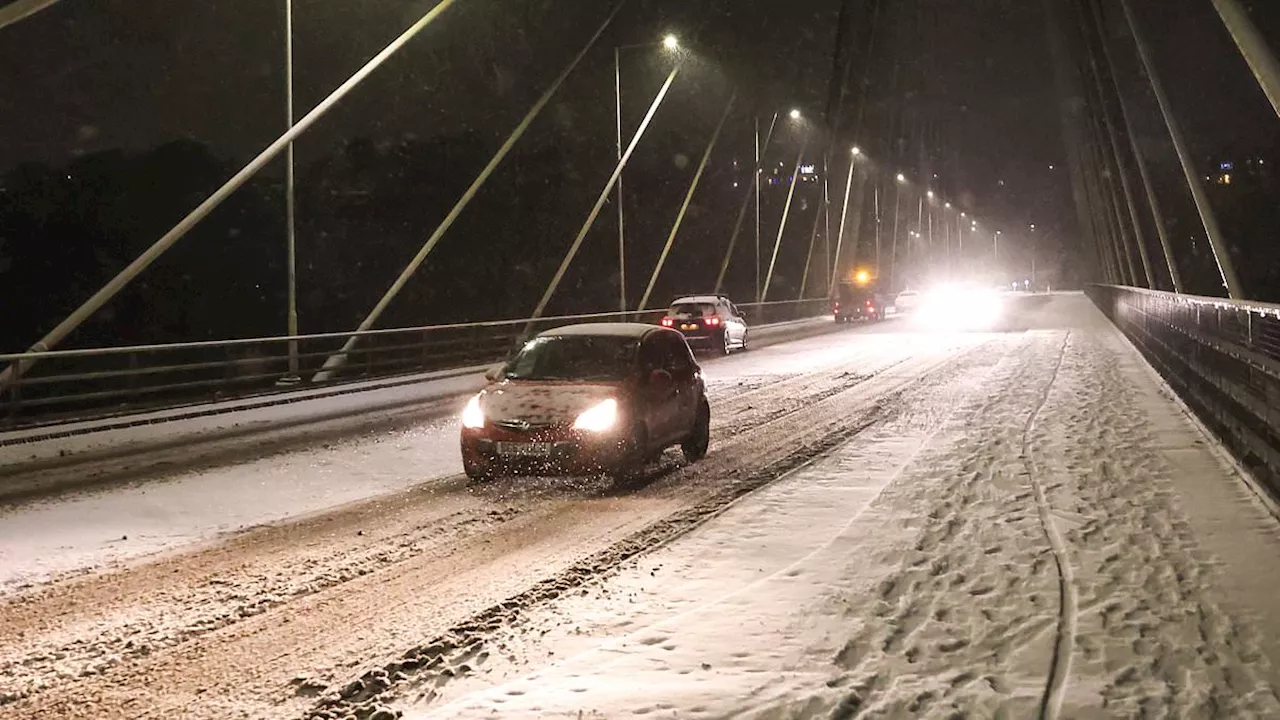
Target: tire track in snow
x,y
1068,600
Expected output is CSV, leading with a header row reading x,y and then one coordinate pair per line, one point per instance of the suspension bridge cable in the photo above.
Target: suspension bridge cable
x,y
604,195
742,208
340,357
786,209
125,276
684,207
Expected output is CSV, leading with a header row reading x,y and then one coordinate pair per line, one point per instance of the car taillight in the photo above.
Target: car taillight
x,y
668,322
835,306
712,322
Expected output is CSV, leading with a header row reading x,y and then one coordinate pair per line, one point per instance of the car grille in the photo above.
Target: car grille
x,y
521,425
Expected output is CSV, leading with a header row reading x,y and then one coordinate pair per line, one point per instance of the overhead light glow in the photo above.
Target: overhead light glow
x,y
902,178
671,42
856,150
795,114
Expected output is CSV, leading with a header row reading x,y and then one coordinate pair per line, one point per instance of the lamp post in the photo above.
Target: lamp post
x,y
289,202
671,43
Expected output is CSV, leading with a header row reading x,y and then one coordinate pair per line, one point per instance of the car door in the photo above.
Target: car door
x,y
739,322
684,372
659,404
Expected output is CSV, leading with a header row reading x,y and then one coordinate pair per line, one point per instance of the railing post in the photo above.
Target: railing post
x,y
133,379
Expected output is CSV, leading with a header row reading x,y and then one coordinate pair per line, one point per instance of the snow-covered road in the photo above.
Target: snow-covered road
x,y
891,524
153,488
1044,544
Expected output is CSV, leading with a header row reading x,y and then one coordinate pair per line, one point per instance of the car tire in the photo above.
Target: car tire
x,y
728,343
634,454
745,335
477,473
695,446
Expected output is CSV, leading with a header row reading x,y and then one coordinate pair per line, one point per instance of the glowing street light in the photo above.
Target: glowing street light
x,y
930,194
963,215
947,206
795,113
902,178
856,151
671,43
862,277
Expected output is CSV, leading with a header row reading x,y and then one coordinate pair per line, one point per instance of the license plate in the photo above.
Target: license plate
x,y
688,327
524,449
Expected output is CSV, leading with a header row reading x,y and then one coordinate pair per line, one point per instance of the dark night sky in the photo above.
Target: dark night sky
x,y
86,76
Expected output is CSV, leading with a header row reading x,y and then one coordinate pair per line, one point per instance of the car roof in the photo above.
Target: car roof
x,y
635,330
699,299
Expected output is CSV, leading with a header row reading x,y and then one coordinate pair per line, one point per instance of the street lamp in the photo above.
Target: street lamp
x,y
947,205
795,113
671,43
902,178
856,151
930,194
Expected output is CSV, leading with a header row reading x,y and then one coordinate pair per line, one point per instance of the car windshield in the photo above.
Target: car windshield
x,y
694,309
574,357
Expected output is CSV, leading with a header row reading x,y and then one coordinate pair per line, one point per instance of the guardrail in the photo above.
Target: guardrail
x,y
1221,356
91,383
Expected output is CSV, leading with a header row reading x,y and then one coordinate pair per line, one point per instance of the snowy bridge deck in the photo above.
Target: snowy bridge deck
x,y
891,524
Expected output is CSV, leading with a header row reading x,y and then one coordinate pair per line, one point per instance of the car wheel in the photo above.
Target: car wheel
x,y
695,446
633,455
477,473
745,334
728,346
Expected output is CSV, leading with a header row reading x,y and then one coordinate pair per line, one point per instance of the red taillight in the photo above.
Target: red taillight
x,y
868,303
835,306
668,322
713,321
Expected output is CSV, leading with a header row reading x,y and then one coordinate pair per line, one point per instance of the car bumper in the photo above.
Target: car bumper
x,y
704,340
567,452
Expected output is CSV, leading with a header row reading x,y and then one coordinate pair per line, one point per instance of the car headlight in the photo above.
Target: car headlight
x,y
599,418
472,415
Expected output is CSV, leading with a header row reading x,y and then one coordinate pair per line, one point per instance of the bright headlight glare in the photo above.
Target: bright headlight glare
x,y
472,415
599,418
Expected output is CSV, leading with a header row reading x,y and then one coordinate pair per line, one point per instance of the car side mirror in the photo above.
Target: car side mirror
x,y
660,380
495,373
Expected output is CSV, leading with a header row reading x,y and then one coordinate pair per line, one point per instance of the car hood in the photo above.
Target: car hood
x,y
540,402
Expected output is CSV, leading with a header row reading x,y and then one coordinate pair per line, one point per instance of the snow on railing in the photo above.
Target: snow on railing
x,y
1221,356
88,383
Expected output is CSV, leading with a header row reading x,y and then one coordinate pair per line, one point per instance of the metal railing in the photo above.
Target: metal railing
x,y
92,383
1221,356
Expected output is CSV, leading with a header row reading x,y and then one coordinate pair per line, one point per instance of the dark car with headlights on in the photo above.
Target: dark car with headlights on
x,y
708,321
584,399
